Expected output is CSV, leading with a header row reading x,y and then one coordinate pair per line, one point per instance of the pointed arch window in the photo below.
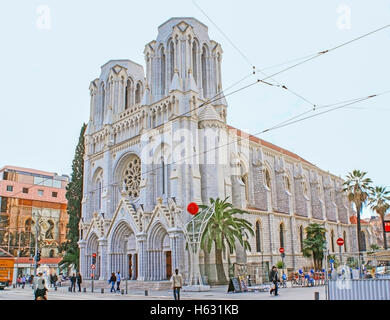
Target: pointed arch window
x,y
267,179
162,72
101,119
138,92
204,72
163,175
172,59
332,240
128,94
258,237
288,183
345,241
281,235
195,61
99,195
301,237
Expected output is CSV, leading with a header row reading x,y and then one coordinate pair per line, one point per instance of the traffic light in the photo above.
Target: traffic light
x,y
93,258
283,255
38,257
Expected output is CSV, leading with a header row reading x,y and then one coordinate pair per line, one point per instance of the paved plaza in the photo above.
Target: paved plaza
x,y
216,293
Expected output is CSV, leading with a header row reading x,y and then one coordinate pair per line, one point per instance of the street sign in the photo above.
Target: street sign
x,y
331,261
387,226
93,267
193,208
340,241
281,250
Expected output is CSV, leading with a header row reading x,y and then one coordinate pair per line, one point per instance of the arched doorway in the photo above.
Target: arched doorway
x,y
123,256
159,254
92,247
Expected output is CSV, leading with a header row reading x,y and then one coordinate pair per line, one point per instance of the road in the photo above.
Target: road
x,y
216,293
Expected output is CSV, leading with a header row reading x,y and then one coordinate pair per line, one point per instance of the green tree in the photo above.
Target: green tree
x,y
74,195
222,230
315,244
357,187
379,202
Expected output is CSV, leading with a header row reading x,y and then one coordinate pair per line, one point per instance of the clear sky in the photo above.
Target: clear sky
x,y
52,49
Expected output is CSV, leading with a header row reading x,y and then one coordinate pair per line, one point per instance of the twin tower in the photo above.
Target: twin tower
x,y
182,58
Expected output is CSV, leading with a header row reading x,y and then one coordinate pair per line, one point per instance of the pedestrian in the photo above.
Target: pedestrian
x,y
177,284
40,287
55,279
73,283
274,278
112,282
284,279
118,281
19,281
79,280
23,281
31,280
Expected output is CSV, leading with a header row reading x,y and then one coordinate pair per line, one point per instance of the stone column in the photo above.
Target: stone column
x,y
103,253
142,256
83,263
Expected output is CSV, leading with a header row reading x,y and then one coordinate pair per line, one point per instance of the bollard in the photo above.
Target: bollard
x,y
55,288
146,293
70,289
316,295
102,290
122,291
84,289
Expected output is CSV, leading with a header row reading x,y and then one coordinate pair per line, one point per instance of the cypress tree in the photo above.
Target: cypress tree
x,y
74,195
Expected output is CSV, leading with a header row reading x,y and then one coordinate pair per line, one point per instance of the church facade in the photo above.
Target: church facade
x,y
158,140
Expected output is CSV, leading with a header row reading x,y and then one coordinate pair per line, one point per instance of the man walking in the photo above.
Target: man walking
x,y
118,281
177,284
79,280
73,283
112,282
274,279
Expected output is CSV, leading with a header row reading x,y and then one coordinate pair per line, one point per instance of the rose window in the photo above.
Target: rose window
x,y
132,177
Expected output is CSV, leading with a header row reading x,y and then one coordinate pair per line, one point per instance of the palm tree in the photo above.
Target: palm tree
x,y
378,202
358,187
223,229
315,244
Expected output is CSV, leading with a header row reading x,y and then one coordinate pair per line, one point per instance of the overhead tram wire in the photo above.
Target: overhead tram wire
x,y
249,62
274,128
278,126
216,98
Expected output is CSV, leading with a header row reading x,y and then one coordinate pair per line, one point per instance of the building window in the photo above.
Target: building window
x,y
25,190
332,240
10,188
54,194
5,175
258,240
301,237
288,184
138,90
132,177
267,179
305,189
281,235
345,241
3,204
204,72
40,193
51,253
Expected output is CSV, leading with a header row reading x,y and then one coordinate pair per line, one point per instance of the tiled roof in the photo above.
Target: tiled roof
x,y
353,220
269,145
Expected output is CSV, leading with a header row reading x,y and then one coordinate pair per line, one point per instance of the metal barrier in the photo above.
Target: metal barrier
x,y
366,289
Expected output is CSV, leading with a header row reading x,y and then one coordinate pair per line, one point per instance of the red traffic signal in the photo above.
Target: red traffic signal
x,y
340,241
193,208
93,255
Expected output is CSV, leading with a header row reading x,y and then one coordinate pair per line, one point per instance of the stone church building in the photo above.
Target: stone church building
x,y
153,145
